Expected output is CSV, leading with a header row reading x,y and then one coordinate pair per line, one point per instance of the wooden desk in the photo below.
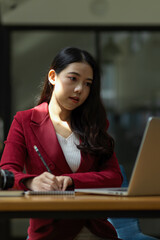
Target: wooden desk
x,y
79,206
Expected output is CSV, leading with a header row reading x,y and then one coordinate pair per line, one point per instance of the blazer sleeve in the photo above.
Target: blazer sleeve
x,y
15,153
108,175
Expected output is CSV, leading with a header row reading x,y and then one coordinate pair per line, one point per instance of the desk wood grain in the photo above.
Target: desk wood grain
x,y
79,203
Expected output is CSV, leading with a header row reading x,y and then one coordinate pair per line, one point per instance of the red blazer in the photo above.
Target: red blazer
x,y
34,127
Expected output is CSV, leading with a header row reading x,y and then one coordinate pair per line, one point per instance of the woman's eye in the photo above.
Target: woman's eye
x,y
88,84
72,78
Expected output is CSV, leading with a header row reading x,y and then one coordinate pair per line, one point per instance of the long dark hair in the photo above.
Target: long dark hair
x,y
89,120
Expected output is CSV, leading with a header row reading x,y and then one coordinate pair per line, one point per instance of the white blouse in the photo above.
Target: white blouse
x,y
70,150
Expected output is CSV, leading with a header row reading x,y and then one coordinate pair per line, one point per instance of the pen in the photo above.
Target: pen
x,y
39,154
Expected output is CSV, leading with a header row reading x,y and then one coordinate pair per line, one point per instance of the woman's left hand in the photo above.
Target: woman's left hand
x,y
65,181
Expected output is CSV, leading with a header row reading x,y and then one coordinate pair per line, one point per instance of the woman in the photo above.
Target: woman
x,y
69,128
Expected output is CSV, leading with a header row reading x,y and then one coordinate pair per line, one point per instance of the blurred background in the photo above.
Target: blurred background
x,y
123,36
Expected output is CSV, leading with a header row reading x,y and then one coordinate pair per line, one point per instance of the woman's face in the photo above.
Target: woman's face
x,y
72,85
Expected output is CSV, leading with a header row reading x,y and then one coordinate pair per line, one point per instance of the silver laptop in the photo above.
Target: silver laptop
x,y
145,178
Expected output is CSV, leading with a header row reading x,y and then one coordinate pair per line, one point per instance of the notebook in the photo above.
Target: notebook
x,y
145,177
18,193
34,193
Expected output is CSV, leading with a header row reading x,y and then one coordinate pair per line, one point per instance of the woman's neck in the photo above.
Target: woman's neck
x,y
60,119
57,112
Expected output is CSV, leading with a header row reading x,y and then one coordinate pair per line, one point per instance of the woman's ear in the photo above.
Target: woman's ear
x,y
51,76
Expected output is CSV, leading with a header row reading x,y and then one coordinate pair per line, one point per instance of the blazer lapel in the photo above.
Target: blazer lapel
x,y
87,163
44,131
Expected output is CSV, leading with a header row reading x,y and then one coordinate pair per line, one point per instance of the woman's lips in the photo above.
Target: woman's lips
x,y
75,99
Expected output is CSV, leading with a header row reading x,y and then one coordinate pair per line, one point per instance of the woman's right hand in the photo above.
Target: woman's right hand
x,y
44,182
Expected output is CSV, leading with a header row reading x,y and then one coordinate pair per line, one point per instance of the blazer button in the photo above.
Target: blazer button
x,y
51,167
